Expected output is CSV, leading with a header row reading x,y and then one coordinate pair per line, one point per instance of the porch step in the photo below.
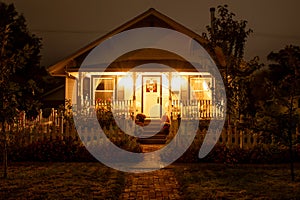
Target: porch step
x,y
150,127
158,138
152,121
152,141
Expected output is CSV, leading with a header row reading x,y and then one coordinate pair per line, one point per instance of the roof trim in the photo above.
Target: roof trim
x,y
53,90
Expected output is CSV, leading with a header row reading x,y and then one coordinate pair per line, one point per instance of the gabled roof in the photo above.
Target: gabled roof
x,y
151,17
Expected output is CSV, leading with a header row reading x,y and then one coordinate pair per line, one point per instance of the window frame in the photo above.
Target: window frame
x,y
95,79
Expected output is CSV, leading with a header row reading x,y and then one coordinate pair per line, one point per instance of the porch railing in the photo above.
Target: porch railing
x,y
198,109
118,107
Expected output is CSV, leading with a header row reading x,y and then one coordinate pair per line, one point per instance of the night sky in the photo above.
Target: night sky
x,y
67,25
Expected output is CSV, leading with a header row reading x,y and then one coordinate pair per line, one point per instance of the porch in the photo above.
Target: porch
x,y
188,95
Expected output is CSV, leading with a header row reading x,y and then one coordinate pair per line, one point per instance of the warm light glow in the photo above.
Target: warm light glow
x,y
165,81
176,83
126,81
194,73
205,86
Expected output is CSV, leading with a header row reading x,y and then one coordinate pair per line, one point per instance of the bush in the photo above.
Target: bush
x,y
57,150
64,150
260,154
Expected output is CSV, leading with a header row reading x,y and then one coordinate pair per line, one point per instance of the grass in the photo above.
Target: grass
x,y
217,181
197,181
61,181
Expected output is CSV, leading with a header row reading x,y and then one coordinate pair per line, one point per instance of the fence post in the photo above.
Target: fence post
x,y
40,116
61,124
47,130
254,139
241,139
24,120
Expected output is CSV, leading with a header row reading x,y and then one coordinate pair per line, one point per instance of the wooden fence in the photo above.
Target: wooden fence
x,y
230,137
59,126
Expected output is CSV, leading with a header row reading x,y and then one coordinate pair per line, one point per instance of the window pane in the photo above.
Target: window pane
x,y
103,95
86,88
105,84
197,95
196,84
200,88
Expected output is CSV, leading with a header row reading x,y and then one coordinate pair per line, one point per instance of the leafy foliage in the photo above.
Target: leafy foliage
x,y
20,70
279,109
279,115
231,35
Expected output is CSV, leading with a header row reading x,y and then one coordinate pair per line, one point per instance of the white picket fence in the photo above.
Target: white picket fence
x,y
230,137
56,126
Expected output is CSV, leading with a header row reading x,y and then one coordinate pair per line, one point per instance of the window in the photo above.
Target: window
x,y
124,87
104,88
86,88
200,88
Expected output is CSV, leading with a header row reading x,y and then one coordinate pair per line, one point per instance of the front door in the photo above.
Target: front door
x,y
152,96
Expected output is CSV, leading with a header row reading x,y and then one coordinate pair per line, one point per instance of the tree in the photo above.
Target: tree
x,y
19,71
230,36
284,78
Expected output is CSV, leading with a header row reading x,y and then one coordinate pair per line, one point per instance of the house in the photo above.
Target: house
x,y
151,81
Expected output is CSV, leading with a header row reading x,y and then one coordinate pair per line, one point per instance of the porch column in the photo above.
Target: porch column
x,y
134,96
79,90
213,103
170,96
67,86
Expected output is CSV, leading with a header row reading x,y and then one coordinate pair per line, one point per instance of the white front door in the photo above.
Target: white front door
x,y
152,96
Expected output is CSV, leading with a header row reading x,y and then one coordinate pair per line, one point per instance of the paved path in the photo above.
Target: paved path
x,y
160,184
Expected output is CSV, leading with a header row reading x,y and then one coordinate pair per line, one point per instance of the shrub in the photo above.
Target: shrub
x,y
260,154
51,150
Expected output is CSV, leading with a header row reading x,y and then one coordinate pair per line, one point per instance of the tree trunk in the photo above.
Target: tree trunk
x,y
4,151
5,158
290,135
291,154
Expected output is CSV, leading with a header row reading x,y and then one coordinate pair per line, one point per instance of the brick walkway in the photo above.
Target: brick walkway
x,y
157,185
160,184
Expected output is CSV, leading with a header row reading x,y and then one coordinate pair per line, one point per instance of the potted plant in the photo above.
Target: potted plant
x,y
140,117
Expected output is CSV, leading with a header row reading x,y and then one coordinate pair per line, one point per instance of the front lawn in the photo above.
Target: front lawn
x,y
61,181
92,180
218,181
